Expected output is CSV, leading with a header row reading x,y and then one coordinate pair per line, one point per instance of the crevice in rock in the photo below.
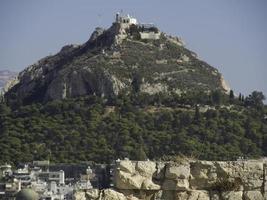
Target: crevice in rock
x,y
243,196
264,180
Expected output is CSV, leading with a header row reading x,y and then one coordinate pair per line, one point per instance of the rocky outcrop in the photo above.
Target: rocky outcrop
x,y
7,79
187,180
163,65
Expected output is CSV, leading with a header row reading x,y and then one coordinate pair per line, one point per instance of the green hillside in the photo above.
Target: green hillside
x,y
136,126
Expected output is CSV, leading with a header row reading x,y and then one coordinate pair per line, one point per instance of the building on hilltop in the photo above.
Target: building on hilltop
x,y
129,20
128,24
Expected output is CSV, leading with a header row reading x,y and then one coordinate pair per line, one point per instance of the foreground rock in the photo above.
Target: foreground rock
x,y
185,180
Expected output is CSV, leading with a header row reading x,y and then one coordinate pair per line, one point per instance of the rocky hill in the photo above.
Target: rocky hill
x,y
123,58
5,76
118,95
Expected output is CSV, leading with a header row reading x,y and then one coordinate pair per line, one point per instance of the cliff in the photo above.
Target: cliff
x,y
113,61
5,77
185,179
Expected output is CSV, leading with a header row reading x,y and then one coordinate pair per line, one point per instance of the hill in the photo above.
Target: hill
x,y
129,91
127,57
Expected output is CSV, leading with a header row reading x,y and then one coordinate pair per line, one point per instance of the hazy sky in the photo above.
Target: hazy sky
x,y
231,35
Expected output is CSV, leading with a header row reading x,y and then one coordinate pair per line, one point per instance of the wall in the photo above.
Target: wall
x,y
192,180
150,35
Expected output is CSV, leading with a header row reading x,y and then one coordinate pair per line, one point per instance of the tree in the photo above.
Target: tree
x,y
231,96
216,97
240,97
255,99
141,154
136,83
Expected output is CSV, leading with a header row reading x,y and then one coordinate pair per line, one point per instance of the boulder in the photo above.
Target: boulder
x,y
149,185
232,195
182,184
178,184
193,195
146,168
214,195
174,171
92,194
127,166
79,195
253,195
243,175
203,175
110,194
249,173
128,181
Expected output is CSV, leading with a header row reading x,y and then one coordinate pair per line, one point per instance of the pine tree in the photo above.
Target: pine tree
x,y
231,95
240,97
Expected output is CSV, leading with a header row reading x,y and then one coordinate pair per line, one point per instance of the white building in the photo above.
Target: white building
x,y
146,31
129,20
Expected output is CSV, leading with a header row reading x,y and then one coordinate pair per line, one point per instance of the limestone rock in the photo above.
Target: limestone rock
x,y
244,175
214,195
182,184
181,195
92,194
127,166
193,195
153,88
110,194
194,180
79,195
225,85
130,175
149,185
128,181
146,168
232,195
178,184
253,195
250,173
174,171
203,174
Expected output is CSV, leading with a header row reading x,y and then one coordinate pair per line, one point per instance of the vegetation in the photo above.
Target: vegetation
x,y
225,184
206,126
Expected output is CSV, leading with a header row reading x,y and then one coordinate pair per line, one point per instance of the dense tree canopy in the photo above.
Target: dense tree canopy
x,y
137,126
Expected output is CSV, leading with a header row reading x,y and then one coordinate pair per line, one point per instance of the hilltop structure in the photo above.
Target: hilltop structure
x,y
129,25
126,20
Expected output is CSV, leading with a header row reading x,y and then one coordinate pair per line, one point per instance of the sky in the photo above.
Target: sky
x,y
230,35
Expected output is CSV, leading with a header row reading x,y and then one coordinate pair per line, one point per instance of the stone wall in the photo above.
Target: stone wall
x,y
185,180
149,35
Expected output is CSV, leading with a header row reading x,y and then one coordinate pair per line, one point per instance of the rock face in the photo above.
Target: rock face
x,y
187,180
5,77
114,61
